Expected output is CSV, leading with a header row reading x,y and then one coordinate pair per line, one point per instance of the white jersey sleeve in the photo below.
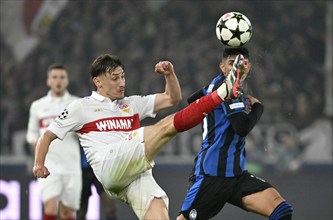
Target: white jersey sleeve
x,y
33,125
69,120
144,105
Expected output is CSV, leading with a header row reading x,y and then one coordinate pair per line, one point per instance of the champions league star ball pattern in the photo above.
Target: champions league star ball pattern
x,y
63,115
233,29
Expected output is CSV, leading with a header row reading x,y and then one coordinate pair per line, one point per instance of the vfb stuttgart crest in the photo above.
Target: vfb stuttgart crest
x,y
63,115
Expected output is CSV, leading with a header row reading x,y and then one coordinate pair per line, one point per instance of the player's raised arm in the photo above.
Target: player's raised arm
x,y
42,147
172,95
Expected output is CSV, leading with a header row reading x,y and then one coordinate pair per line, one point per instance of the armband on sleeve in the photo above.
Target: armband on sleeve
x,y
233,106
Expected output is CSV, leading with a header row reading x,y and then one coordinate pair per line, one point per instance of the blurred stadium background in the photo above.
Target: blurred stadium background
x,y
291,52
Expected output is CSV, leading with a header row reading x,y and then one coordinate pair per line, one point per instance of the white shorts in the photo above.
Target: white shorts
x,y
126,174
124,162
65,186
140,193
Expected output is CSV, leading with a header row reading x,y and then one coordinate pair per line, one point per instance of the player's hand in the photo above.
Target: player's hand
x,y
164,67
251,100
40,171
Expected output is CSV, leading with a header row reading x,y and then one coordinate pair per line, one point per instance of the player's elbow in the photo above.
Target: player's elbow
x,y
178,100
241,131
49,136
175,100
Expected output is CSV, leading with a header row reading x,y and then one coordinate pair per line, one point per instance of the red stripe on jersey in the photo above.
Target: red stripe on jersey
x,y
112,124
46,121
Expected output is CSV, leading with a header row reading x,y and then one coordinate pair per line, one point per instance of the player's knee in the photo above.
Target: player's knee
x,y
283,211
180,217
66,212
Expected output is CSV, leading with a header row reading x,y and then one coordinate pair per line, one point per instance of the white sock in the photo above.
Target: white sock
x,y
223,90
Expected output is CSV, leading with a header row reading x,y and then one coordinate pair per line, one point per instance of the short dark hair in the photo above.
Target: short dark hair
x,y
105,63
235,51
56,66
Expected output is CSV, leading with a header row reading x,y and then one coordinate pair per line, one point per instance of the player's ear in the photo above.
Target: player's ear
x,y
48,81
222,67
248,66
96,81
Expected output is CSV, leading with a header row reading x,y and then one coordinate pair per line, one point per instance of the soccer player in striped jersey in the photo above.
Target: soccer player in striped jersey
x,y
219,175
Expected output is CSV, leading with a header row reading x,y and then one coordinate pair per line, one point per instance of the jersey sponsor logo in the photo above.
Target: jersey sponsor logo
x,y
193,214
46,121
237,105
112,124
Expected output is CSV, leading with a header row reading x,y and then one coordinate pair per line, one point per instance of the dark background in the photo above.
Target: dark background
x,y
291,54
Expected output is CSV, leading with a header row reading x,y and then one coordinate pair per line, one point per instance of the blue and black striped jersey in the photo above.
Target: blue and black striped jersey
x,y
223,151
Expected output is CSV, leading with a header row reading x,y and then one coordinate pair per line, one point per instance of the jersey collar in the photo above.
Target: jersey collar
x,y
99,97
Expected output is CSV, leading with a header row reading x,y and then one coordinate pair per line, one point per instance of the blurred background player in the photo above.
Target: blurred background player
x,y
219,174
61,191
89,179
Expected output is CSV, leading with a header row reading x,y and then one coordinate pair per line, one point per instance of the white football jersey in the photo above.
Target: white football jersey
x,y
101,122
63,156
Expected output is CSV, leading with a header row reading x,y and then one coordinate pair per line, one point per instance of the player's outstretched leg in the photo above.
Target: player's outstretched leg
x,y
193,114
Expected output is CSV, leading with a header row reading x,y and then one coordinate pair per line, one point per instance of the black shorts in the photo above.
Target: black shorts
x,y
89,179
207,195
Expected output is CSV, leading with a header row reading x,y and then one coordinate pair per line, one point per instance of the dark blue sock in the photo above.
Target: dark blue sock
x,y
283,211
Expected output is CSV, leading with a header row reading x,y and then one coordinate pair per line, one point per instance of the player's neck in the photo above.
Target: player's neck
x,y
58,94
102,93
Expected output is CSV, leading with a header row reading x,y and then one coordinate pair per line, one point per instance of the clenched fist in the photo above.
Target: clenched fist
x,y
40,171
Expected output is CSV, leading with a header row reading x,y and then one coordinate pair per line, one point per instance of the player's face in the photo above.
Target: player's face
x,y
57,80
226,65
111,84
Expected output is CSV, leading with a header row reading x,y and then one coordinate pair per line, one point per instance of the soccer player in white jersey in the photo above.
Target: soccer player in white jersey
x,y
120,151
63,187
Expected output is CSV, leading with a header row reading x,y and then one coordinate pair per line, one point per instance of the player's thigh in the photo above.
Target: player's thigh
x,y
157,135
253,194
263,202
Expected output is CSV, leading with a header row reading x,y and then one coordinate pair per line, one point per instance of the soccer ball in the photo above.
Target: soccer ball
x,y
233,29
